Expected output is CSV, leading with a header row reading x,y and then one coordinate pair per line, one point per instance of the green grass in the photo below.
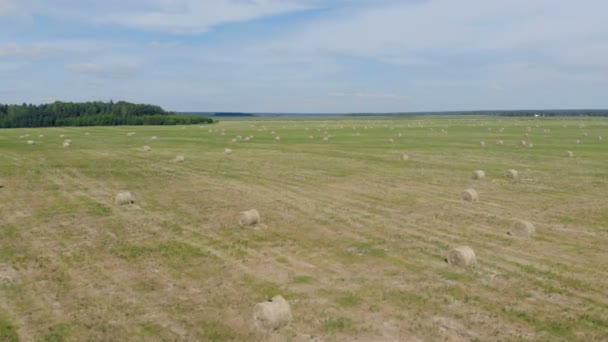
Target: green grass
x,y
348,229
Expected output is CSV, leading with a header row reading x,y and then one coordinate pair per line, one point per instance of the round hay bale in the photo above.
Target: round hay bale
x,y
272,314
124,198
391,141
530,145
523,143
405,157
470,195
67,144
130,134
512,174
478,174
227,151
277,138
311,137
568,154
500,142
30,142
462,256
599,138
87,133
578,141
41,136
523,229
249,218
179,159
325,138
62,136
147,148
482,143
154,138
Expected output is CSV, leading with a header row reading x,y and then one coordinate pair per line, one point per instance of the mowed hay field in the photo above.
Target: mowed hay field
x,y
350,234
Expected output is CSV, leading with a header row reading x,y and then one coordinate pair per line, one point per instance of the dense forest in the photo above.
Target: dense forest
x,y
91,114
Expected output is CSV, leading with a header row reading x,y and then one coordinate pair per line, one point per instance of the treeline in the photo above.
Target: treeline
x,y
560,112
92,114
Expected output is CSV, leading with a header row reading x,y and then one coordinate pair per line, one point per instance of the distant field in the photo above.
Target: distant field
x,y
351,235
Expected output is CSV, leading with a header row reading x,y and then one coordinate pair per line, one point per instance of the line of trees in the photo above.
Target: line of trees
x,y
92,114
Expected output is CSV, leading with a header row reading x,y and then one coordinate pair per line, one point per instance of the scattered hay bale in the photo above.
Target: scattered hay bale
x,y
233,140
87,133
530,145
512,174
470,195
272,314
277,139
325,138
462,256
62,136
391,141
500,142
523,229
67,143
578,141
311,137
568,154
130,134
405,157
147,148
30,142
124,198
41,136
523,143
180,159
600,138
482,143
154,138
249,218
478,174
227,151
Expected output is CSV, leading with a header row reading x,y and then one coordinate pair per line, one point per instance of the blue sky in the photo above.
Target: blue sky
x,y
307,55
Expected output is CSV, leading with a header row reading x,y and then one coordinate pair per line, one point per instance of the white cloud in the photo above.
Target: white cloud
x,y
35,50
111,66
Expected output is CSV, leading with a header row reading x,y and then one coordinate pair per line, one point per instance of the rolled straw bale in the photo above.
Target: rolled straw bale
x,y
478,174
462,256
470,195
277,138
272,314
179,159
227,151
147,148
511,174
67,143
249,218
405,157
124,198
30,142
568,154
522,228
482,143
523,143
500,142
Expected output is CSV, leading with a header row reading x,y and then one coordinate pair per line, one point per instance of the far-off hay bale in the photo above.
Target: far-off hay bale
x,y
272,314
130,134
179,159
249,218
500,142
482,143
462,256
30,142
512,174
227,151
147,148
391,141
124,198
522,228
277,139
405,157
67,144
568,154
470,195
523,143
478,174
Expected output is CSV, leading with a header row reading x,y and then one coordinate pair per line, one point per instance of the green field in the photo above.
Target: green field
x,y
351,235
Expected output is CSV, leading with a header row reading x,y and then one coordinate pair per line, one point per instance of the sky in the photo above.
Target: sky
x,y
307,56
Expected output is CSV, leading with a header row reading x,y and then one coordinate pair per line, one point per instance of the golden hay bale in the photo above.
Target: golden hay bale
x,y
124,198
180,159
227,151
154,138
147,148
500,142
67,144
523,143
30,142
41,136
249,218
478,174
272,314
511,174
325,138
87,133
530,145
578,141
470,195
391,141
568,154
311,137
405,157
462,256
599,138
522,228
482,143
277,138
62,136
130,134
